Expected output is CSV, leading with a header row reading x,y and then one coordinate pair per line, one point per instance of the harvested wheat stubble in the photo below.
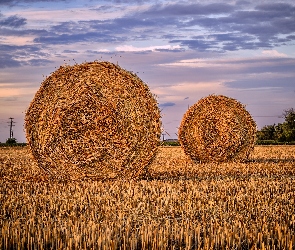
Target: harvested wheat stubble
x,y
93,119
217,128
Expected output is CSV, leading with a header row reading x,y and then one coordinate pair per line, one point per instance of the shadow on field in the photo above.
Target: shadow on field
x,y
270,160
273,168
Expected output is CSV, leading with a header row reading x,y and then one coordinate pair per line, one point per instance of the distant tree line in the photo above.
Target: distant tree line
x,y
12,142
279,133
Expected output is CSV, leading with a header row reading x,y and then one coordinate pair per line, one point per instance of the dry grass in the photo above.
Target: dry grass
x,y
182,205
93,119
217,129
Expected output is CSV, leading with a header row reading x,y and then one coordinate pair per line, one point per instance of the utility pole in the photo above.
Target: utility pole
x,y
11,125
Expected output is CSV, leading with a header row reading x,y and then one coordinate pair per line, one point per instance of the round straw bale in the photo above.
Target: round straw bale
x,y
93,119
217,128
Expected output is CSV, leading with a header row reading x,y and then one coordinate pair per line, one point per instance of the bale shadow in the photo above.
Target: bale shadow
x,y
237,174
270,160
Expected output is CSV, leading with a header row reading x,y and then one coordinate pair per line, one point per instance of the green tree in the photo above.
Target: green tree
x,y
280,132
289,123
11,141
268,132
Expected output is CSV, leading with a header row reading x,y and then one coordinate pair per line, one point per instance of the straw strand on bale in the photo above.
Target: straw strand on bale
x,y
93,119
217,128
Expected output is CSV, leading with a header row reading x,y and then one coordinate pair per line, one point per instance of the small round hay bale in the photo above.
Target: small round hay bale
x,y
93,119
217,128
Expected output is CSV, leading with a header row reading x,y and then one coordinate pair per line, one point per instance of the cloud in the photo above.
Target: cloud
x,y
268,82
17,2
9,99
6,2
16,56
68,51
248,29
189,9
127,1
284,8
12,21
12,93
177,93
218,75
167,104
129,48
254,65
75,38
6,61
38,62
273,53
198,43
84,31
211,26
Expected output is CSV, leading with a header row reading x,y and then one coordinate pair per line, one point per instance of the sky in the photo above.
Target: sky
x,y
183,50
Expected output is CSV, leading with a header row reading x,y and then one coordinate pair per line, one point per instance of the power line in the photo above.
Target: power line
x,y
10,126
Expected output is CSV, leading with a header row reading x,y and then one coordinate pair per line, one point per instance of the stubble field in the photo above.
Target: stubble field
x,y
179,205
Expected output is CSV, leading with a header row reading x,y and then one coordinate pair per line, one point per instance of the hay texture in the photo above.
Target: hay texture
x,y
217,129
93,119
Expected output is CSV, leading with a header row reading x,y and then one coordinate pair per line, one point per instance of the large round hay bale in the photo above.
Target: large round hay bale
x,y
217,128
93,119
